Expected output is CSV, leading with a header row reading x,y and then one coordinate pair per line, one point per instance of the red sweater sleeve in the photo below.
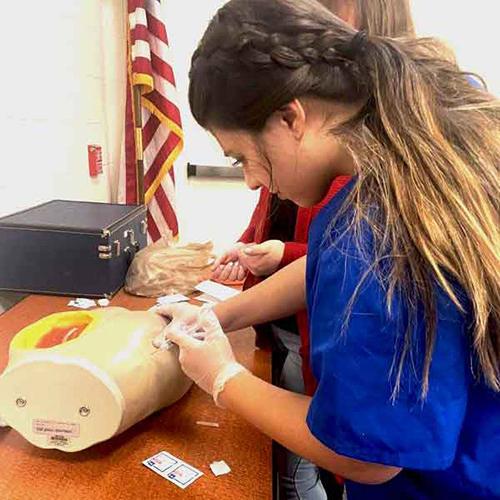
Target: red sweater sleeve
x,y
293,251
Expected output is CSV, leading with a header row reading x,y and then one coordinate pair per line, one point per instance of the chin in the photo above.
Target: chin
x,y
301,201
304,200
310,197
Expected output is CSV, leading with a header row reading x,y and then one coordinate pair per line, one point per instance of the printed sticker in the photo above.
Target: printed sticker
x,y
52,428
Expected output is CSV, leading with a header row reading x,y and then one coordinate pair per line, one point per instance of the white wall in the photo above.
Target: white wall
x,y
470,28
186,21
114,44
52,101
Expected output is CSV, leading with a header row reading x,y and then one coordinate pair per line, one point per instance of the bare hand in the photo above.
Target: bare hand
x,y
228,267
263,259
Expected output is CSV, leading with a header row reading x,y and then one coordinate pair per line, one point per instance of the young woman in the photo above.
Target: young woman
x,y
402,276
276,236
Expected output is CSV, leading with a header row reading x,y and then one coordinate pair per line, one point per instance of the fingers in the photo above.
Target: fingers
x,y
167,310
230,255
216,272
241,273
182,338
176,311
222,259
216,264
233,276
226,271
159,340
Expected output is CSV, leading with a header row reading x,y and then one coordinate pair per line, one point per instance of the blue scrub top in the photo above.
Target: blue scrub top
x,y
449,444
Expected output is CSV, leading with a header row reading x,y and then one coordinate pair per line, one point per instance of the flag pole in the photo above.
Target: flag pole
x,y
139,153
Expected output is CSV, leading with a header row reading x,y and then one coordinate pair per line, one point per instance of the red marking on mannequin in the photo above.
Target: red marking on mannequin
x,y
59,335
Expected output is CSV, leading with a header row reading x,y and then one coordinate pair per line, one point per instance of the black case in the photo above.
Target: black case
x,y
75,248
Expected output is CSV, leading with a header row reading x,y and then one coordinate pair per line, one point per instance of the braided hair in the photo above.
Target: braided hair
x,y
317,60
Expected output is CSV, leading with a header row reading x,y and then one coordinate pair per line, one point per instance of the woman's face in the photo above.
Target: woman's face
x,y
294,156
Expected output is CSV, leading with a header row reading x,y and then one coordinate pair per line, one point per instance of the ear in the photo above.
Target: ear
x,y
293,117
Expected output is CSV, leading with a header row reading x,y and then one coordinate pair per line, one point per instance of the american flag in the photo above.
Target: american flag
x,y
155,136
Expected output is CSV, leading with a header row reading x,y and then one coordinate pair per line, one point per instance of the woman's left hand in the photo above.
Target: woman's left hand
x,y
208,361
263,259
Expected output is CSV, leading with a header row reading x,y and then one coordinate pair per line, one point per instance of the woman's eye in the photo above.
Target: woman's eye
x,y
237,163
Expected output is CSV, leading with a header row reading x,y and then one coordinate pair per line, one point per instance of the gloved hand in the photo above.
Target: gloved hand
x,y
184,315
263,259
209,362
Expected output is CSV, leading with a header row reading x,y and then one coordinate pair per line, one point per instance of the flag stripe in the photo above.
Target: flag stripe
x,y
161,157
154,232
149,130
137,17
167,210
163,69
157,28
166,107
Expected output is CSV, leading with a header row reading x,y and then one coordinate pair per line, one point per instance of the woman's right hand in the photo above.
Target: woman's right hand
x,y
228,266
180,315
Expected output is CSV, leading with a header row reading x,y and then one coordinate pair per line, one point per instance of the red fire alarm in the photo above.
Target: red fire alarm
x,y
95,159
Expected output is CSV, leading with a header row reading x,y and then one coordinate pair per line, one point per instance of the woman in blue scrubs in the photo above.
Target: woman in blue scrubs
x,y
402,273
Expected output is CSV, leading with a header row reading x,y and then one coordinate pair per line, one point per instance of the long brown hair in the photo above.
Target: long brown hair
x,y
391,18
426,145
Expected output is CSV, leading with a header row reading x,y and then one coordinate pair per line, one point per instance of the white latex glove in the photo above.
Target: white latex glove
x,y
263,259
181,315
228,267
209,362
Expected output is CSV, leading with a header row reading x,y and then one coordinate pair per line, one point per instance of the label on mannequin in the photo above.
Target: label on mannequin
x,y
55,429
173,469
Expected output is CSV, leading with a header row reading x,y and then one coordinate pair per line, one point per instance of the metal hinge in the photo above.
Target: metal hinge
x,y
129,234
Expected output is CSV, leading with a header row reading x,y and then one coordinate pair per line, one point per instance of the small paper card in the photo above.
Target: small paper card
x,y
173,469
81,303
220,468
172,299
221,292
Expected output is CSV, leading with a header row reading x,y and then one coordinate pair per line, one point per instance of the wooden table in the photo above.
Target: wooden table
x,y
113,469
